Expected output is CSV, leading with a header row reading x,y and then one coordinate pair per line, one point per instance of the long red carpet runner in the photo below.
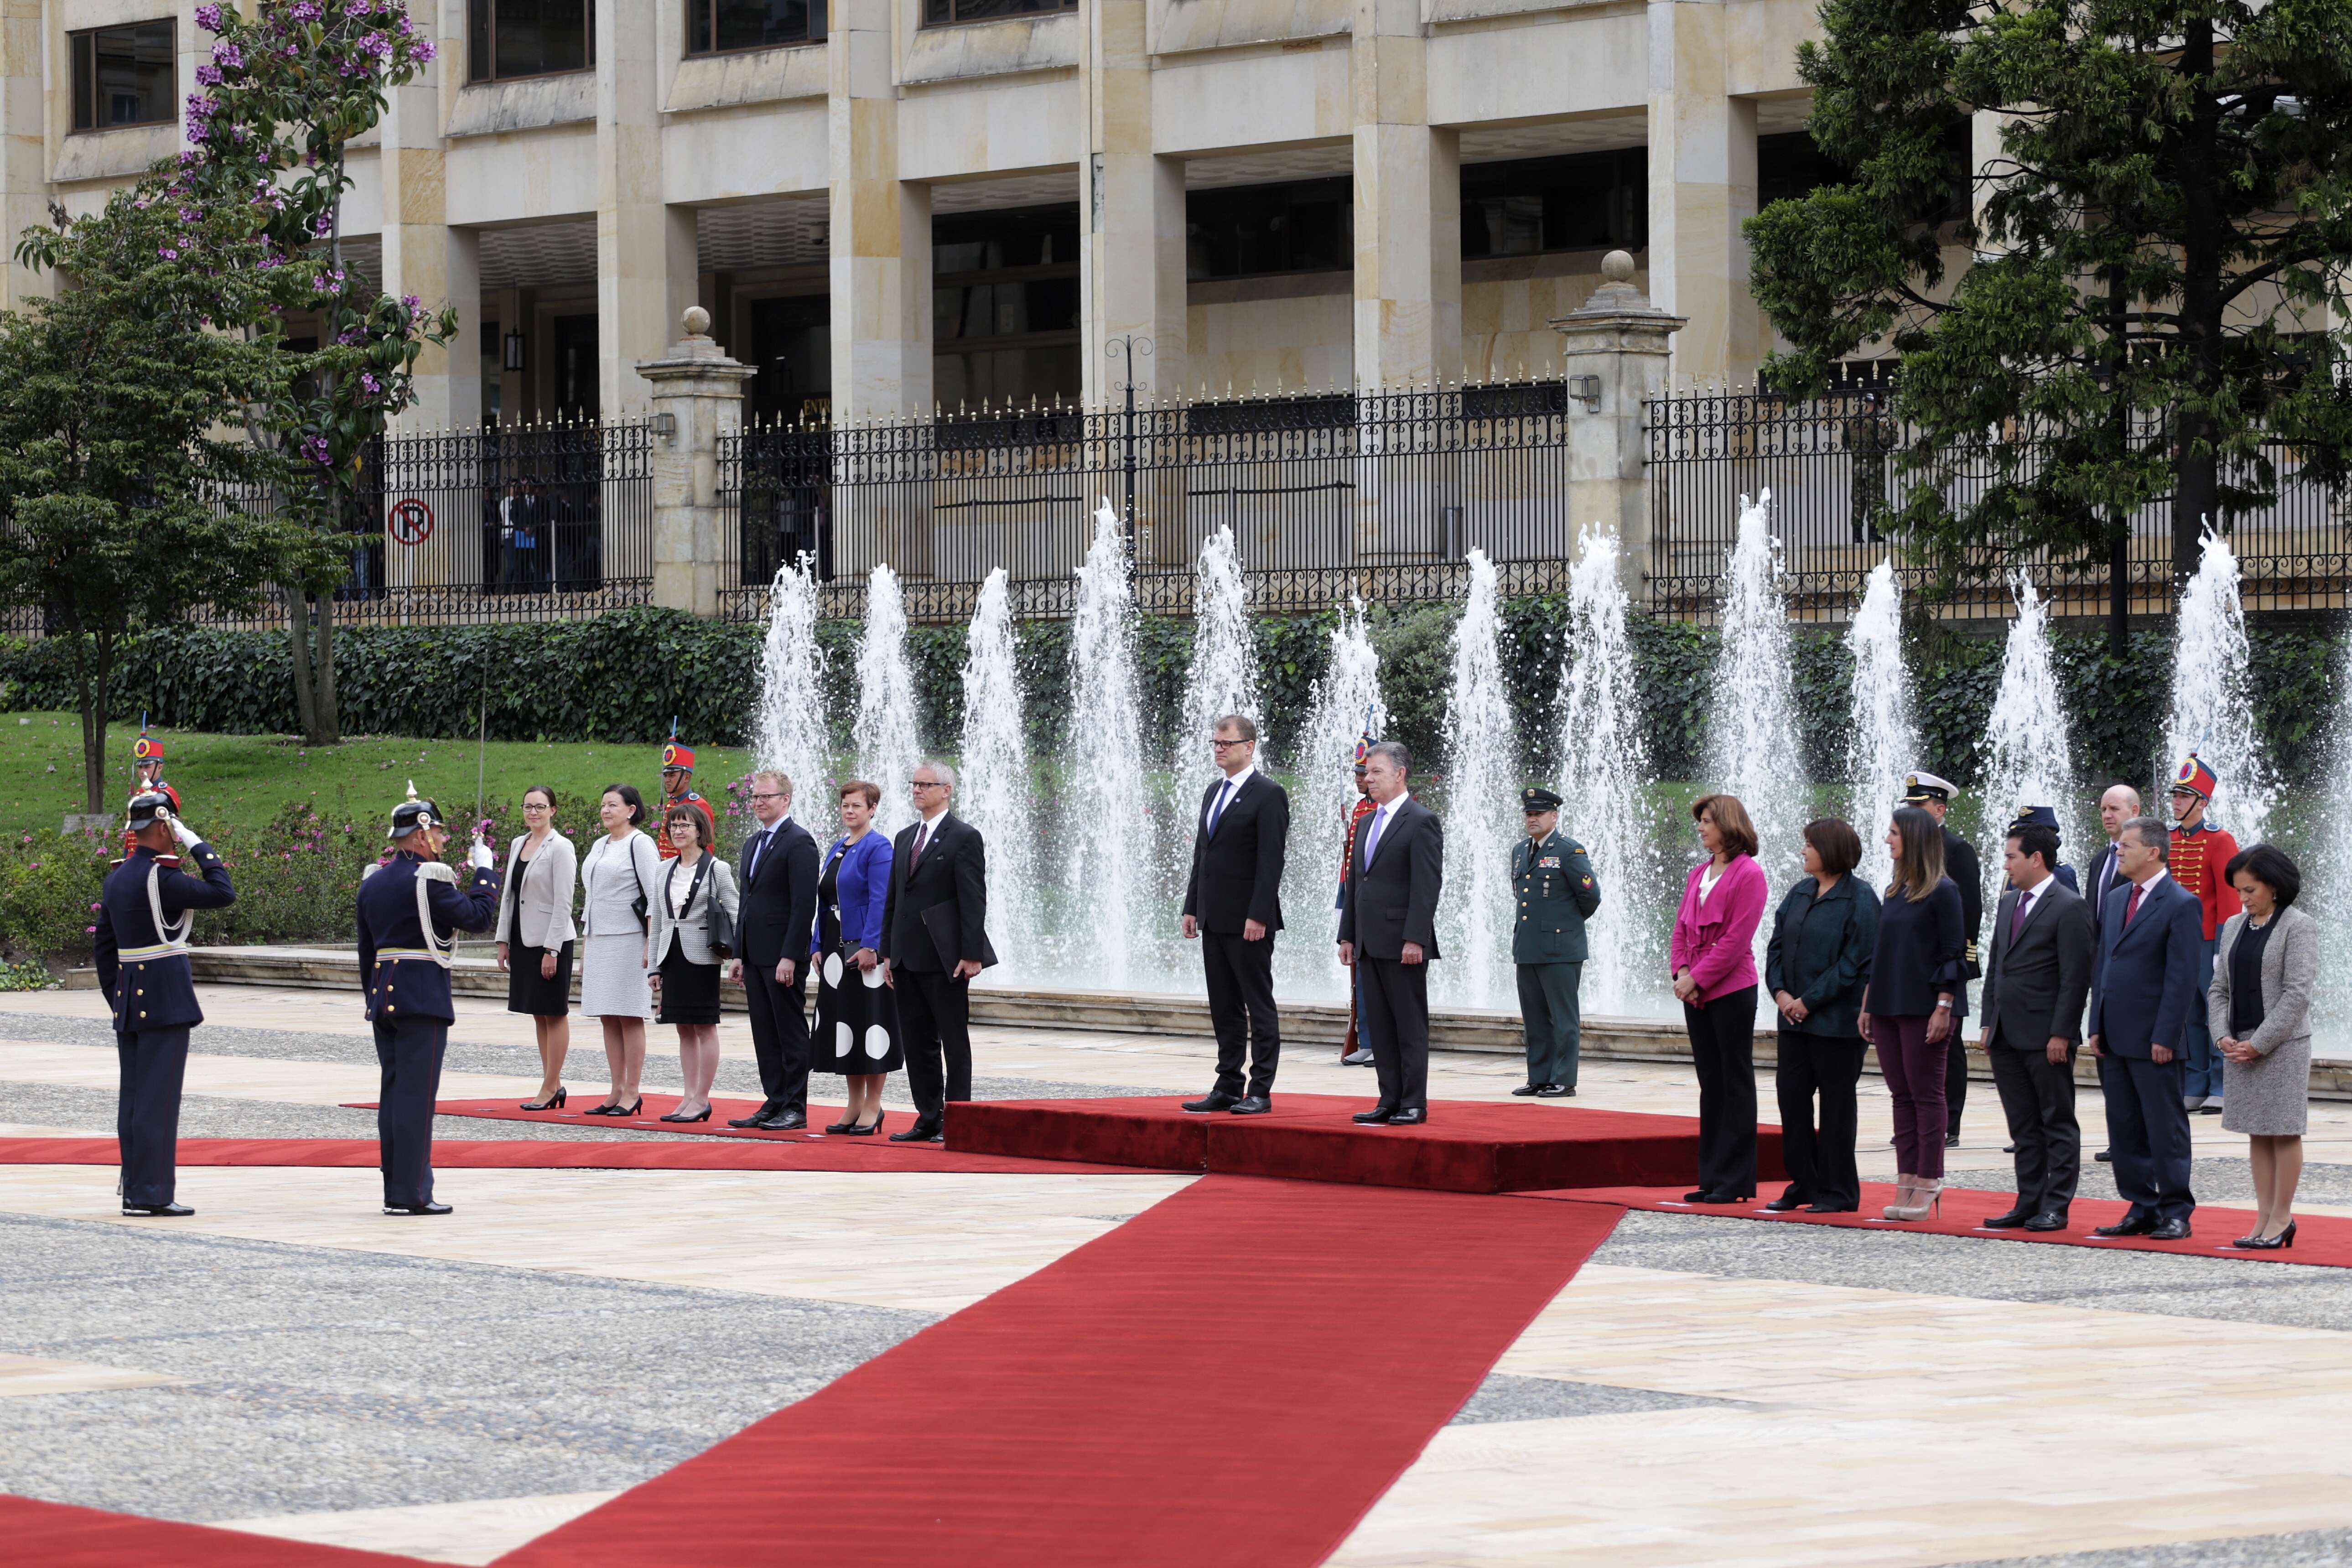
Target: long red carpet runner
x,y
566,1154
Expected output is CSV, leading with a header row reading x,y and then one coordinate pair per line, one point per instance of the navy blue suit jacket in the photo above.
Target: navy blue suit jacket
x,y
152,993
2145,981
401,988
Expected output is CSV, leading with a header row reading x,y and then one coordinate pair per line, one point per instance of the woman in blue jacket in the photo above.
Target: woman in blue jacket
x,y
856,1026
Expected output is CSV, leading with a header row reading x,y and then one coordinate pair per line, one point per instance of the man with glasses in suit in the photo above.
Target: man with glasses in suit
x,y
777,878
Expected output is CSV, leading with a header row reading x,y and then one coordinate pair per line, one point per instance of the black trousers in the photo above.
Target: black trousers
x,y
2147,1133
780,1035
1956,1082
409,1052
1241,1006
147,1111
1723,1047
934,1023
2037,1095
1819,1155
1396,1019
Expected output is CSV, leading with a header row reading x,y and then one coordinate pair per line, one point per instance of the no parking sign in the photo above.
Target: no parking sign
x,y
411,521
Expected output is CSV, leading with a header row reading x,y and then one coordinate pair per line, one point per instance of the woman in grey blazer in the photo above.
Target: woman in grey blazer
x,y
2264,967
694,888
535,935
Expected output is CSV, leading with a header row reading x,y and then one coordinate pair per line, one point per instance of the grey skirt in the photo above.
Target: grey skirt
x,y
613,977
2271,1097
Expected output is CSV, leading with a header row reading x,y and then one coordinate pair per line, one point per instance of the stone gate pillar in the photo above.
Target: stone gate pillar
x,y
1617,345
698,398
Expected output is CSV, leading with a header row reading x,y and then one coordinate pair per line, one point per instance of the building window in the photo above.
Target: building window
x,y
1251,231
123,75
719,26
1004,306
942,13
529,37
1529,206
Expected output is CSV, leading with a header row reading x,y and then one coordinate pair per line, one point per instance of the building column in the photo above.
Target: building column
x,y
1701,188
1408,208
1131,260
698,401
646,251
24,146
425,257
881,236
1617,345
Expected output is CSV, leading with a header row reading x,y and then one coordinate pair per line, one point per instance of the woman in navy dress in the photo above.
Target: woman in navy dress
x,y
856,1025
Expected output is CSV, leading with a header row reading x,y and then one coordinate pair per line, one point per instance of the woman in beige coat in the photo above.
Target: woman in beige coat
x,y
536,937
2264,967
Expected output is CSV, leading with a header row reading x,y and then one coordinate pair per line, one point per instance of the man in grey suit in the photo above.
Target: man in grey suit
x,y
2037,974
1388,926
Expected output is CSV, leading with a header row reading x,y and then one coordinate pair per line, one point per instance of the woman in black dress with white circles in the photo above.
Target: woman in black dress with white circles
x,y
856,1020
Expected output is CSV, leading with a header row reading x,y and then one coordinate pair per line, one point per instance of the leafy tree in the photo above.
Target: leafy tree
x,y
2156,281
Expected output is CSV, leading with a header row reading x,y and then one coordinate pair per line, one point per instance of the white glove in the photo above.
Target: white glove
x,y
188,836
480,858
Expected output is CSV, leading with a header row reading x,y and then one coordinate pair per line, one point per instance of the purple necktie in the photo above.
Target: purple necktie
x,y
1372,839
2017,920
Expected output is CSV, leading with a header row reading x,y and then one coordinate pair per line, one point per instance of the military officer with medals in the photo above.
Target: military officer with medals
x,y
144,915
147,778
677,789
1552,883
410,912
1934,796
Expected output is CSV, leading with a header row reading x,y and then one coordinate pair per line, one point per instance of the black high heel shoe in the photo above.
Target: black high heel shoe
x,y
553,1102
674,1116
628,1110
2283,1240
854,1131
602,1111
842,1127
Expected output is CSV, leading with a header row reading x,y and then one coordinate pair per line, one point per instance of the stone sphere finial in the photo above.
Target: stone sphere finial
x,y
1617,267
698,320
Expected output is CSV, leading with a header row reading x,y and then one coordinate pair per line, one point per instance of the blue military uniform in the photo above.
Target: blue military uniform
x,y
1555,892
410,910
144,916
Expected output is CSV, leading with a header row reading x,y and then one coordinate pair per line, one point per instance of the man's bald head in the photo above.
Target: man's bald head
x,y
2117,806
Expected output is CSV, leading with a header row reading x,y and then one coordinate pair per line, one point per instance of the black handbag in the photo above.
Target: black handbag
x,y
718,925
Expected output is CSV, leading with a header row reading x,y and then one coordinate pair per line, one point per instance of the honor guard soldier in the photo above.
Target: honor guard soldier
x,y
147,778
142,938
1354,1050
677,789
1961,863
1553,881
2199,859
2040,816
410,912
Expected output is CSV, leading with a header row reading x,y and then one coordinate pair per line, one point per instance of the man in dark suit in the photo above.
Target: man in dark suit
x,y
1234,905
2037,973
2151,937
776,884
1388,924
1934,796
2117,806
934,939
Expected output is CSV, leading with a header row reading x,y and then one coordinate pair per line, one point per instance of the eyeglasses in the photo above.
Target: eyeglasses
x,y
537,806
771,794
925,784
1220,742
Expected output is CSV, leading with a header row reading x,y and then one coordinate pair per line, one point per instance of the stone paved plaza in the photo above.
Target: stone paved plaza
x,y
1707,1390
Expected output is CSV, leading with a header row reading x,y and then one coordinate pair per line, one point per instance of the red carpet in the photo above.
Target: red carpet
x,y
1466,1146
1232,1377
649,1116
53,1535
2319,1238
546,1154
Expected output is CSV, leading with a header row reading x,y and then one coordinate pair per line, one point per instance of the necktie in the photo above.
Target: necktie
x,y
2132,906
1217,812
2016,920
752,861
1372,839
915,858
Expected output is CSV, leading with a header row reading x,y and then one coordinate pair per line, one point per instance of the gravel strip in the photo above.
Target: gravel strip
x,y
1508,1396
2303,1549
2214,1181
322,1379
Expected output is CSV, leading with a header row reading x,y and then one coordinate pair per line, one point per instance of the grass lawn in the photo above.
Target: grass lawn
x,y
244,780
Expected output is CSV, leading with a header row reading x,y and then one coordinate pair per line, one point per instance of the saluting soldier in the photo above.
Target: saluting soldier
x,y
141,937
1553,880
410,910
677,789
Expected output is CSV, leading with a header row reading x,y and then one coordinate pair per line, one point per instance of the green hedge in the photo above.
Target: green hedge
x,y
621,678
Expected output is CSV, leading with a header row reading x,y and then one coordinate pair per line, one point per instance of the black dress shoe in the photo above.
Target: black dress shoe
x,y
1525,1089
785,1121
2105,1156
2015,1219
1356,1059
1952,1140
1216,1099
417,1209
1828,1208
2171,1230
922,1131
753,1120
2128,1226
1378,1116
1783,1203
1557,1092
1408,1117
2048,1219
2008,1148
1252,1105
157,1211
1700,1196
1723,1198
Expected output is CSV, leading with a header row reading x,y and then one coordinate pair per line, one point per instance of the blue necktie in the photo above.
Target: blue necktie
x,y
752,861
1217,812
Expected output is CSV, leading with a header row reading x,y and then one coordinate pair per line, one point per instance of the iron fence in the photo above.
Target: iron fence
x,y
1380,495
1829,466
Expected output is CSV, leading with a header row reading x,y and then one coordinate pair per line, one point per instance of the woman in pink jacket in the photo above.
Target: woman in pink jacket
x,y
1714,965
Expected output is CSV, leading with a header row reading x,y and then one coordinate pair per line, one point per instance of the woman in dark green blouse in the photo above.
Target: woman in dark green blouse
x,y
1817,966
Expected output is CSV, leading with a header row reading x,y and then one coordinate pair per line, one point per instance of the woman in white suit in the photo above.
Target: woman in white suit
x,y
618,879
536,934
695,887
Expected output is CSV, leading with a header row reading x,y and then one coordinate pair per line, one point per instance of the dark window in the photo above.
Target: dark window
x,y
716,26
1789,167
939,13
1534,204
578,393
1004,306
1249,231
531,37
123,75
792,347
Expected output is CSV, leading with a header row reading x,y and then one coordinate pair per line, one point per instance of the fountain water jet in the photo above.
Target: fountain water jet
x,y
1752,744
1223,676
1106,831
1883,744
1482,814
1604,781
1347,700
888,748
994,792
2212,697
2028,760
794,735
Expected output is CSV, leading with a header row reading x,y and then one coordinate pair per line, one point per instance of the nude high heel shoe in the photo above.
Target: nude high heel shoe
x,y
1921,1199
1897,1209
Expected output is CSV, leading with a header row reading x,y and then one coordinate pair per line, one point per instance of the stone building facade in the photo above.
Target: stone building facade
x,y
905,204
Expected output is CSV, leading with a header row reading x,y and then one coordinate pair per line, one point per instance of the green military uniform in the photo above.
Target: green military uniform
x,y
1554,885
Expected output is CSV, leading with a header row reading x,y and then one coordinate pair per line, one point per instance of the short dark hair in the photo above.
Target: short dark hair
x,y
2268,864
2153,834
630,798
686,811
1396,753
1244,727
871,793
1834,840
2034,840
1731,820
